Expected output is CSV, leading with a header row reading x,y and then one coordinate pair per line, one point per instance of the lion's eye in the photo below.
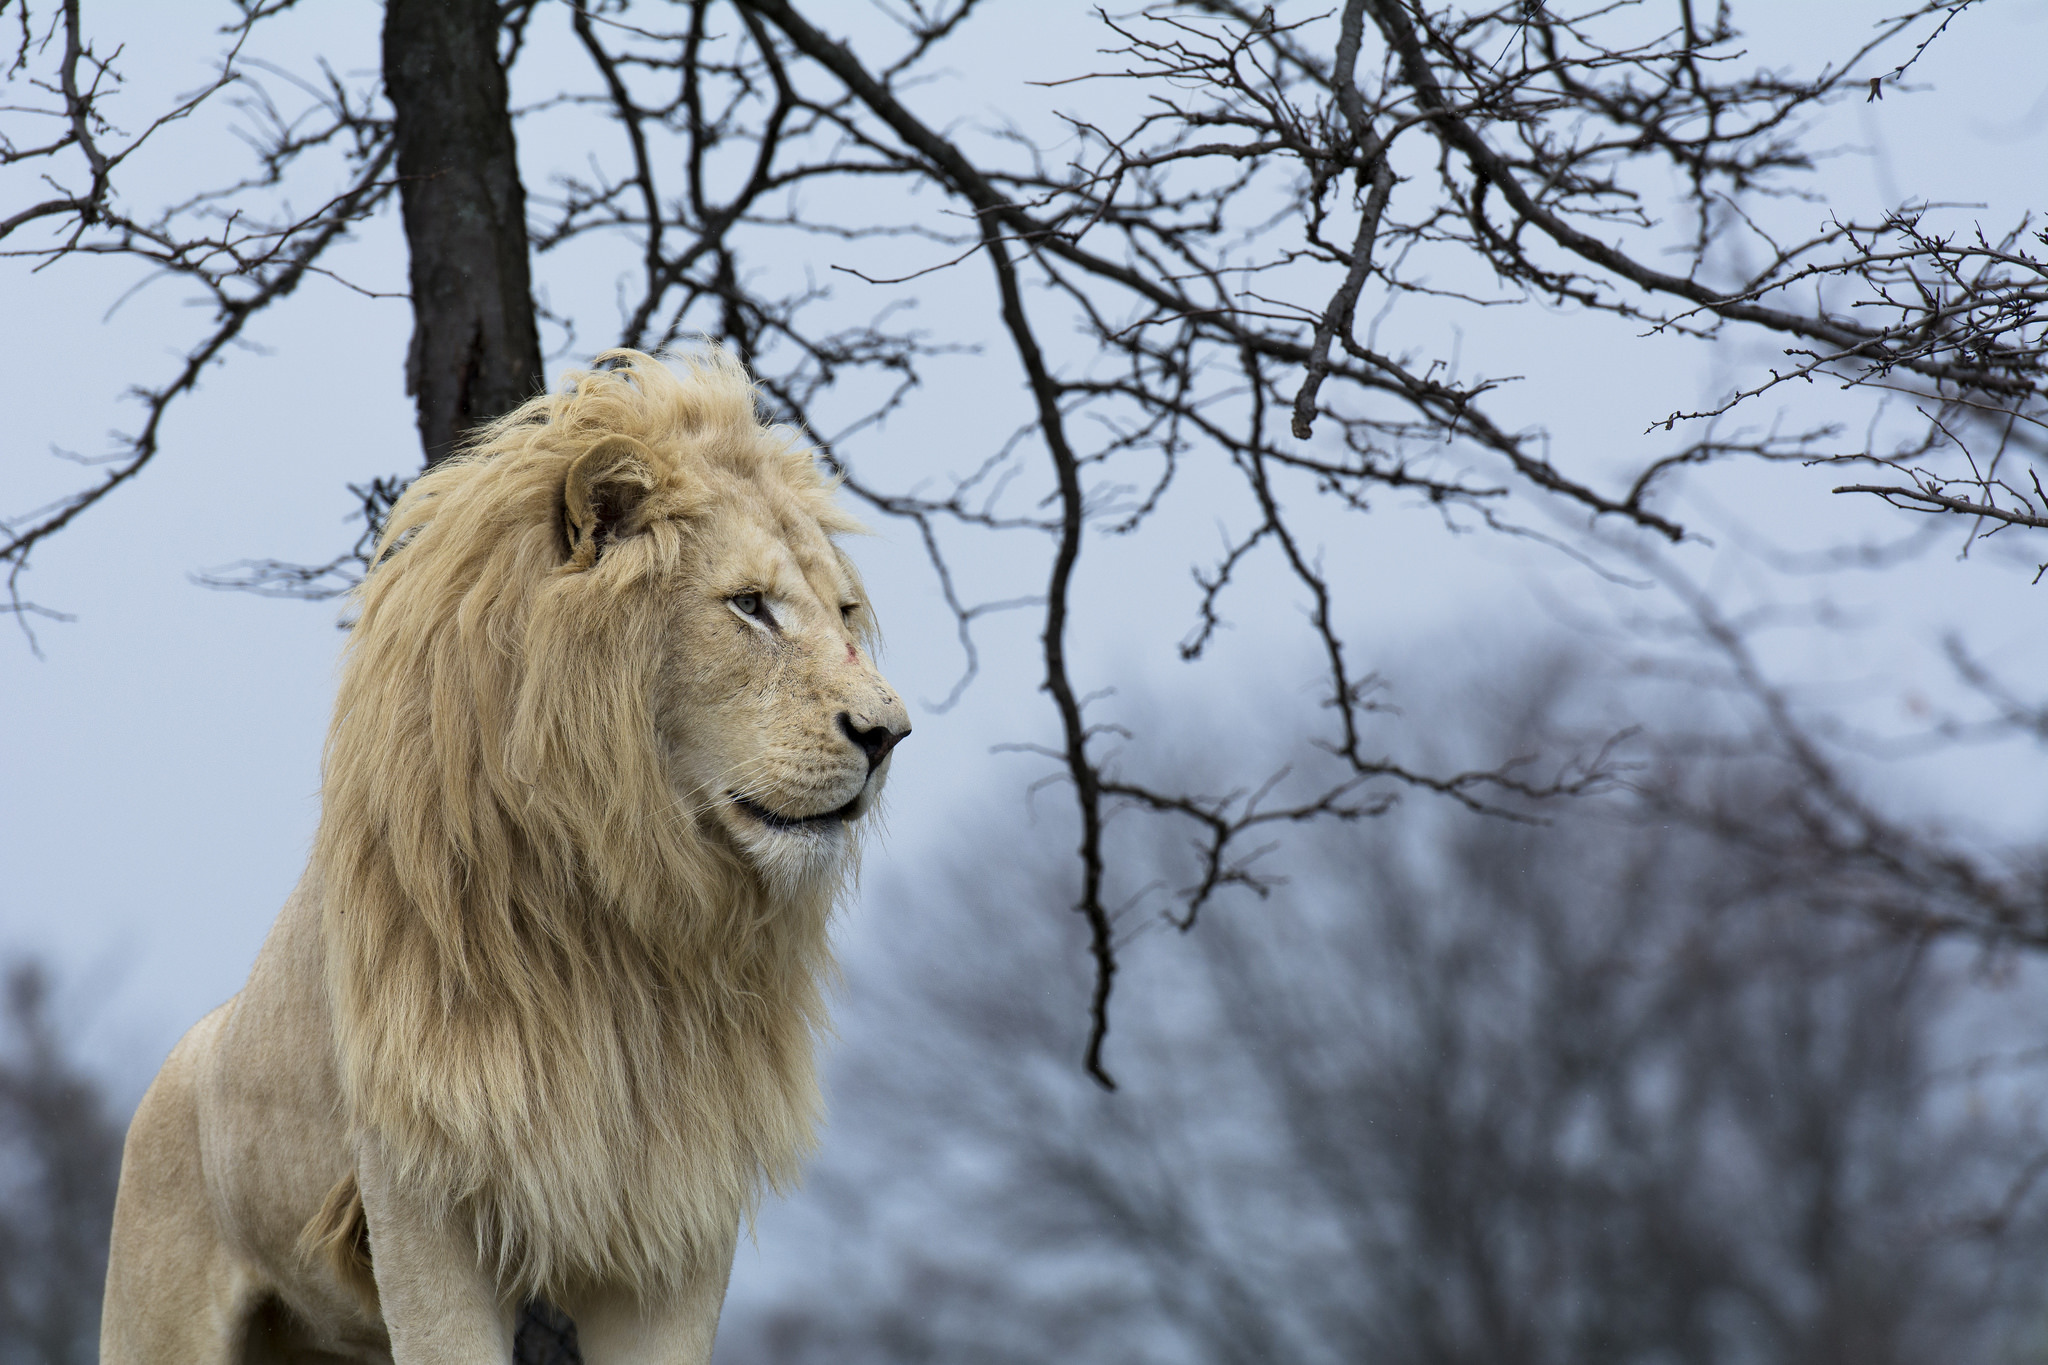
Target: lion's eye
x,y
752,606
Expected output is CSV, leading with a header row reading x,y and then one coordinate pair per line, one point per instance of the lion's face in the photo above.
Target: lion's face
x,y
775,724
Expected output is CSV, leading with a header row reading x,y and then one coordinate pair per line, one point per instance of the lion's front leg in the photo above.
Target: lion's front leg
x,y
176,1293
440,1304
618,1327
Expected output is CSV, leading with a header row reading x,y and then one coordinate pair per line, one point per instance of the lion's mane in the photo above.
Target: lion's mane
x,y
558,1003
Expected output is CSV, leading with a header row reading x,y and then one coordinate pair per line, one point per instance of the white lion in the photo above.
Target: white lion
x,y
539,1018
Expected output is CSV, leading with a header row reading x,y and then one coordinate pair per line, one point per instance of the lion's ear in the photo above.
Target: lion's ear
x,y
605,489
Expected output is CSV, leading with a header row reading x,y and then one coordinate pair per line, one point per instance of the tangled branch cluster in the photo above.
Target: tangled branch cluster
x,y
1214,252
239,243
1199,293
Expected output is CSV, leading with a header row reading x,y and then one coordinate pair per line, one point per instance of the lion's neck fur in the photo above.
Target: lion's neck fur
x,y
610,1106
560,1002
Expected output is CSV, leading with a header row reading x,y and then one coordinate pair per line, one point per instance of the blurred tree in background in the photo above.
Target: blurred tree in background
x,y
60,1155
1468,1090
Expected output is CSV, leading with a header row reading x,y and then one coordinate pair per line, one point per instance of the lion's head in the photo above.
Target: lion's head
x,y
606,734
627,599
772,725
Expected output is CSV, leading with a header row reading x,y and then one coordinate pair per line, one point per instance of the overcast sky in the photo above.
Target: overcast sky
x,y
161,758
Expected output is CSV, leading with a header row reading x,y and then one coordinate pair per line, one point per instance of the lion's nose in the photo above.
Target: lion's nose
x,y
873,740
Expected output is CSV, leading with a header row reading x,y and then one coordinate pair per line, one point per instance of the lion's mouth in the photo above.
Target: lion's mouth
x,y
776,821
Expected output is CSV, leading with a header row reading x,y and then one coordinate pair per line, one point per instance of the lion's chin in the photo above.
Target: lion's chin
x,y
798,854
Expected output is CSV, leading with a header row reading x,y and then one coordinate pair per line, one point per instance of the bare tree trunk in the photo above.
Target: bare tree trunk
x,y
475,347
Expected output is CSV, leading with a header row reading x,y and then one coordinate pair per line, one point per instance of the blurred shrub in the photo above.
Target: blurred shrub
x,y
1466,1090
60,1158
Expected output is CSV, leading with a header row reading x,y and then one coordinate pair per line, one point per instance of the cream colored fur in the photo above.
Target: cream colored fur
x,y
540,1018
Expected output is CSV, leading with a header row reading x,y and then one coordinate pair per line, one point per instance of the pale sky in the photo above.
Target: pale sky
x,y
162,757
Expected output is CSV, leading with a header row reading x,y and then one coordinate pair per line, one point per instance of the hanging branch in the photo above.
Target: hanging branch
x,y
241,262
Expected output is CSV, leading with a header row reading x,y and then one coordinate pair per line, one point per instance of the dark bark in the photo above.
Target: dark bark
x,y
475,346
